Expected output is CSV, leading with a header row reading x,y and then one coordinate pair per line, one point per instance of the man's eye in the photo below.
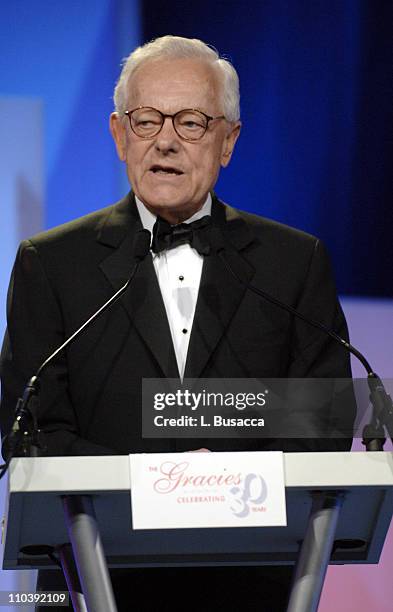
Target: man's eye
x,y
146,122
191,125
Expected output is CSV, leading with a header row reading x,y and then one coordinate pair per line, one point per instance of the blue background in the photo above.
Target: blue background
x,y
316,150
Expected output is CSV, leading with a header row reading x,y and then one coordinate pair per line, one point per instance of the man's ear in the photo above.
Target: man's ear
x,y
229,143
118,132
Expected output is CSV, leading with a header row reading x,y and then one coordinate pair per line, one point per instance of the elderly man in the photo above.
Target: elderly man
x,y
176,123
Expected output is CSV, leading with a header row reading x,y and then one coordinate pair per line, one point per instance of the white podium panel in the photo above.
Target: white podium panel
x,y
35,515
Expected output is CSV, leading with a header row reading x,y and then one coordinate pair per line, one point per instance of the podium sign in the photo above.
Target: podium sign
x,y
199,490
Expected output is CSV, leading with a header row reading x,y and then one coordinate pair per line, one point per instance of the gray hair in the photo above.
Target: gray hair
x,y
177,47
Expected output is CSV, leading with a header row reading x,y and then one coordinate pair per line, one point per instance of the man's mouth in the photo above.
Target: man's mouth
x,y
165,170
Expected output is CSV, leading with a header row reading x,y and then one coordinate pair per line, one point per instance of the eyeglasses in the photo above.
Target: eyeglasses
x,y
189,124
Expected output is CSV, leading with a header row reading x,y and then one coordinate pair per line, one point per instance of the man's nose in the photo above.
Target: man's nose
x,y
167,139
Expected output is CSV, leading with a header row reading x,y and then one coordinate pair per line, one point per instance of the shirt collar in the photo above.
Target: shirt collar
x,y
148,219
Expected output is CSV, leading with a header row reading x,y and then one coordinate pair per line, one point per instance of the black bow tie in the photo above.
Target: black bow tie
x,y
166,236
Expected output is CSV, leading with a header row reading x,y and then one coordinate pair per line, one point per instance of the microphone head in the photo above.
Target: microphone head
x,y
141,245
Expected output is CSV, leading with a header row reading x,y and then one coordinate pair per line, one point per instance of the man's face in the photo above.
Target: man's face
x,y
170,86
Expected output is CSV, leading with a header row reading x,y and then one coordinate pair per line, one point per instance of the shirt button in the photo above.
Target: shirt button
x,y
184,331
181,278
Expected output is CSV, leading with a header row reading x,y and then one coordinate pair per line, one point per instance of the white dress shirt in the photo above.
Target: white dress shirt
x,y
179,273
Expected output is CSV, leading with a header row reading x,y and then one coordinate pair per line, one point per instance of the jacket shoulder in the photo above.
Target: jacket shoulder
x,y
264,231
112,219
264,225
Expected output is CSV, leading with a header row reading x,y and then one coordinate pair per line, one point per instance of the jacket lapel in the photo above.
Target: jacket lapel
x,y
142,301
220,293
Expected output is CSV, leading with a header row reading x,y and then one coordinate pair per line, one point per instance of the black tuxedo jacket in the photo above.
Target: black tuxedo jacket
x,y
91,396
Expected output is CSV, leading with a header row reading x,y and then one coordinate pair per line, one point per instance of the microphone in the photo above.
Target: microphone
x,y
373,433
25,428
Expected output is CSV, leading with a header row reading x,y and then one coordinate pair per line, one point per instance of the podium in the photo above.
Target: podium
x,y
339,507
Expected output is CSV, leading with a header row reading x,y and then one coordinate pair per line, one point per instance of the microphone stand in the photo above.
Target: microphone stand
x,y
24,437
373,437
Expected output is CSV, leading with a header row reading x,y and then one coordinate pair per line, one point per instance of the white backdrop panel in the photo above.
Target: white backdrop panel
x,y
21,215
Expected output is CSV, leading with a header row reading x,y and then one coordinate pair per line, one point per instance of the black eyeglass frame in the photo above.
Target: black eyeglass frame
x,y
208,118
